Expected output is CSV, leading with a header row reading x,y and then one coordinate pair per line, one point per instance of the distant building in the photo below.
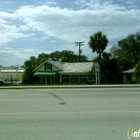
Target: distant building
x,y
129,77
53,72
8,74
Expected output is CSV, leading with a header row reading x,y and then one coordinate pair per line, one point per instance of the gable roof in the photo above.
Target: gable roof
x,y
55,63
129,71
77,67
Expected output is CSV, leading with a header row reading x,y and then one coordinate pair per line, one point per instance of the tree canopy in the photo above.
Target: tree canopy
x,y
98,42
65,56
128,49
121,57
33,62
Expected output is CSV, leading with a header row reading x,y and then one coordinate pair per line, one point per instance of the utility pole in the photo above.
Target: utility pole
x,y
79,44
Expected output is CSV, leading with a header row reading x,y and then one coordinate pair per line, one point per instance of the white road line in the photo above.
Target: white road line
x,y
72,112
133,92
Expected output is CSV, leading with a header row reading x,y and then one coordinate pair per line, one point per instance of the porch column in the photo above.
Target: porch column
x,y
97,77
124,78
69,78
133,77
46,80
79,78
51,80
60,78
88,77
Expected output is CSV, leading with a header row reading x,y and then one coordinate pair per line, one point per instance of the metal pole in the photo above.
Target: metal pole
x,y
80,51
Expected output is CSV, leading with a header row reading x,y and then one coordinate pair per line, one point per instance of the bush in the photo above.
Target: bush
x,y
1,83
133,82
90,82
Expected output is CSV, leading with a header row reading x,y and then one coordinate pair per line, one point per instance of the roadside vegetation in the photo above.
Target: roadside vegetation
x,y
123,56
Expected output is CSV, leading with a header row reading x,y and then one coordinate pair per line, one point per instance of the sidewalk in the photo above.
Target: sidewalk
x,y
72,86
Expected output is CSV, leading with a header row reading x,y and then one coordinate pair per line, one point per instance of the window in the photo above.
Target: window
x,y
74,78
92,77
138,78
65,78
128,78
48,66
42,80
83,78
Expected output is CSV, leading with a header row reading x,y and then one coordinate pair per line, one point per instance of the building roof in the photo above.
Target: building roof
x,y
65,67
11,71
55,63
11,68
129,71
77,67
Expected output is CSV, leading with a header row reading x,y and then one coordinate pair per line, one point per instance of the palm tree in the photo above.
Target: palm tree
x,y
98,43
137,68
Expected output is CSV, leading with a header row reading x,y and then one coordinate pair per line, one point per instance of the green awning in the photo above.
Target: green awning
x,y
45,73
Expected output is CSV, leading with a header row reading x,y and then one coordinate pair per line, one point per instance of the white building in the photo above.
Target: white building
x,y
11,74
53,72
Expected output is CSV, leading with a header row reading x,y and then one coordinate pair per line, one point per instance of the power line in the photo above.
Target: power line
x,y
80,51
7,55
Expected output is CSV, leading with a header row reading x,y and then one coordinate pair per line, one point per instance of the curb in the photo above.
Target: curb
x,y
71,86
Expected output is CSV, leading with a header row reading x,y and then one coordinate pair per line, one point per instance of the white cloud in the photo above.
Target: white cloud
x,y
47,2
23,28
13,54
53,41
28,50
6,15
11,32
98,5
70,25
2,21
44,38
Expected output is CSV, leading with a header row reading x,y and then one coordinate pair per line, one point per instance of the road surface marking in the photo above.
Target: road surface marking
x,y
133,92
49,100
28,100
72,112
3,94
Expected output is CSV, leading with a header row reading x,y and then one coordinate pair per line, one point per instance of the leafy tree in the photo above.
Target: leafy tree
x,y
29,66
67,56
128,51
137,68
98,43
28,76
131,47
42,58
124,63
31,62
115,73
110,72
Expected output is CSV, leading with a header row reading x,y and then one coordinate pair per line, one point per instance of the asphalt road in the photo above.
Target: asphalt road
x,y
69,114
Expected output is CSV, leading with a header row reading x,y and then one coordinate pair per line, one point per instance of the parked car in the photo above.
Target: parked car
x,y
7,82
17,82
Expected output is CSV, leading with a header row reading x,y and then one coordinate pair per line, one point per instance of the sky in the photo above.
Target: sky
x,y
32,27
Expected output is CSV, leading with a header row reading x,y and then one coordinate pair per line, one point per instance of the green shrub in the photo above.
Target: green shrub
x,y
90,82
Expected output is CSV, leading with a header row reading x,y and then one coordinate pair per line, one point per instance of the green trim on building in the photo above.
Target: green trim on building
x,y
45,73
